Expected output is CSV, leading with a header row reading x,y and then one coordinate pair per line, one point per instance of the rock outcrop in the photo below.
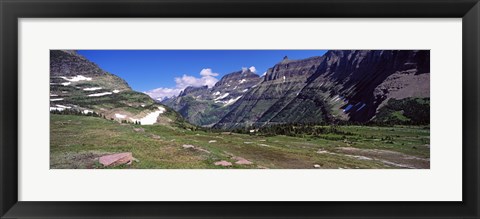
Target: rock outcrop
x,y
116,159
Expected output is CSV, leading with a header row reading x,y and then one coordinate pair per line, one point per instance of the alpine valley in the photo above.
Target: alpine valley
x,y
342,109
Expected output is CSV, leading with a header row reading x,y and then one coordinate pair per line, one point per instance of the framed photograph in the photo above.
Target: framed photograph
x,y
255,109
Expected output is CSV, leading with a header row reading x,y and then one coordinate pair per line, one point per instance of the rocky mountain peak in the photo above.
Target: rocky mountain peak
x,y
236,77
292,68
191,89
70,63
71,52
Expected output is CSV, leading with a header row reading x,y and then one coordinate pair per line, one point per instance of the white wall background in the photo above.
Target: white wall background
x,y
442,182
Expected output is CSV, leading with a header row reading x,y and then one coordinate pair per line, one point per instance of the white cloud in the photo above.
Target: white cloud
x,y
161,93
208,72
187,80
207,78
252,69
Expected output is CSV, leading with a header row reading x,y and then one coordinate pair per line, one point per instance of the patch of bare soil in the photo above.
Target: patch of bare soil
x,y
187,146
239,160
85,160
139,129
155,136
242,161
223,163
389,158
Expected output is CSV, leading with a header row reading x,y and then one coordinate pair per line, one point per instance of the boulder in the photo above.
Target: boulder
x,y
242,161
188,146
116,159
203,150
223,163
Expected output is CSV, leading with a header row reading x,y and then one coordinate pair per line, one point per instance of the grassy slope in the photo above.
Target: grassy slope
x,y
77,140
405,111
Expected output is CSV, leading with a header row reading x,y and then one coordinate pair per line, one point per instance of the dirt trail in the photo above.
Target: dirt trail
x,y
389,158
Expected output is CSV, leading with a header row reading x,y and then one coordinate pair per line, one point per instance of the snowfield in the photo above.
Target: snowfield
x,y
151,118
62,106
231,101
100,94
77,78
223,96
56,109
120,116
56,99
92,88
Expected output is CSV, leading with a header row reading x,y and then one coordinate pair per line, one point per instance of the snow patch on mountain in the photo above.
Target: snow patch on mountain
x,y
76,78
120,116
92,88
221,97
231,101
100,94
151,118
56,109
62,106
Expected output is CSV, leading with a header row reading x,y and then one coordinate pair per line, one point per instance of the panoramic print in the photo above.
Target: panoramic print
x,y
239,109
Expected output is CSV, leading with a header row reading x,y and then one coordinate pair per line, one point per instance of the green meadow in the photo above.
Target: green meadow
x,y
78,141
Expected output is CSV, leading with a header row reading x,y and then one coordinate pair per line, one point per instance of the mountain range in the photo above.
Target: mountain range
x,y
341,86
360,86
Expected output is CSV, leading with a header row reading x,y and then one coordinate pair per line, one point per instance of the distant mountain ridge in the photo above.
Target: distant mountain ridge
x,y
205,106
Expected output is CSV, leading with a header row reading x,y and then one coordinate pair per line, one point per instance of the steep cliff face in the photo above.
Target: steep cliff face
x,y
280,86
293,68
342,85
365,79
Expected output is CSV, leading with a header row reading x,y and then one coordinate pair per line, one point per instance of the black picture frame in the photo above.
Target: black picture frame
x,y
12,10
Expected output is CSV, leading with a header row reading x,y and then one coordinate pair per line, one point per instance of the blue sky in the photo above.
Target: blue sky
x,y
150,70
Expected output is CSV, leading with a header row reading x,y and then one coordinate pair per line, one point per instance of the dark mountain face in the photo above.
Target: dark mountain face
x,y
364,79
342,85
